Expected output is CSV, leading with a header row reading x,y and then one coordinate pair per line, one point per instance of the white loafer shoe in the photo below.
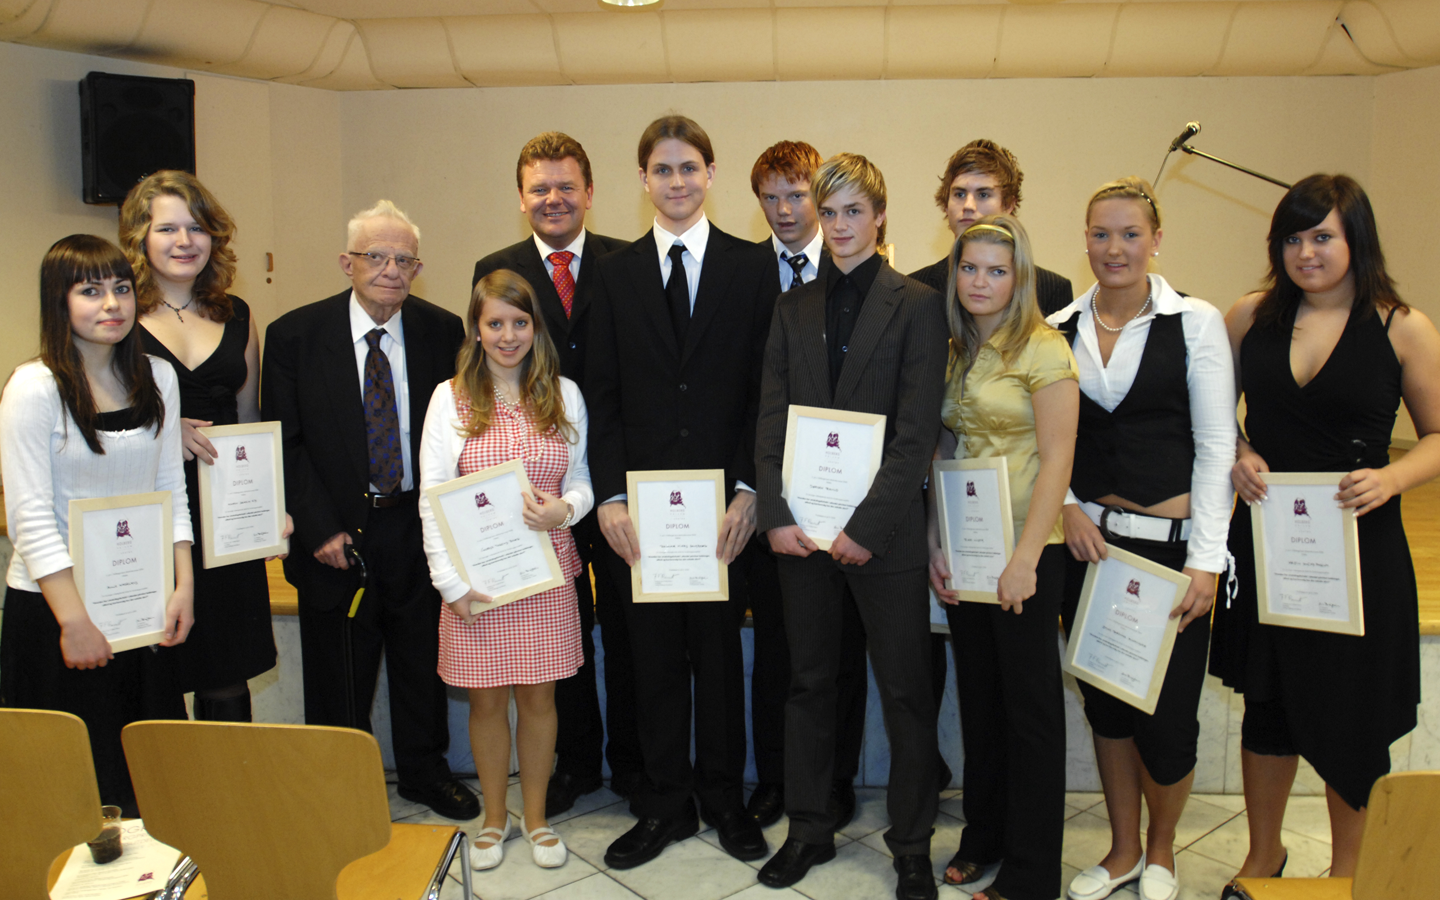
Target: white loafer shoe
x,y
490,855
1095,882
1159,883
546,857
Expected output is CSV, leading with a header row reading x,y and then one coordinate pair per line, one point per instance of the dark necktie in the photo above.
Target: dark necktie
x,y
677,291
797,263
382,422
564,281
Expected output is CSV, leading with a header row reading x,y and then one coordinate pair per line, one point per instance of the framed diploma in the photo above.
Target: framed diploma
x,y
977,529
831,457
242,496
481,519
1307,555
1123,633
677,516
124,553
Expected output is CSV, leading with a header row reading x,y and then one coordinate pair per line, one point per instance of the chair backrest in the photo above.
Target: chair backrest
x,y
272,811
1400,848
48,798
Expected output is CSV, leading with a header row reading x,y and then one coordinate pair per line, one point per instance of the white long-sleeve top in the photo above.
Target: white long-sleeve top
x,y
1210,375
441,444
46,464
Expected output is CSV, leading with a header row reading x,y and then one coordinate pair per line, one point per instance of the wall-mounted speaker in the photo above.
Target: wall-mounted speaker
x,y
131,126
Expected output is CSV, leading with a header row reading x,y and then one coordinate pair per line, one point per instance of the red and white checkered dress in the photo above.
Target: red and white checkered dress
x,y
529,641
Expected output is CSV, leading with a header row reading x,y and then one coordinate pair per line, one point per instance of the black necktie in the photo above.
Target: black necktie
x,y
797,262
677,291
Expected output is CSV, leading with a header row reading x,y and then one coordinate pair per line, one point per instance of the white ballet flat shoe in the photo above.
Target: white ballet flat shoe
x,y
1095,882
1159,883
489,857
545,857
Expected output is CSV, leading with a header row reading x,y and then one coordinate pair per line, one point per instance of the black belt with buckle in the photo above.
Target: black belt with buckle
x,y
385,501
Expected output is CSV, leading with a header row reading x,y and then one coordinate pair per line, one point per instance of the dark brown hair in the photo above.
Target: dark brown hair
x,y
219,272
681,128
554,146
987,158
795,161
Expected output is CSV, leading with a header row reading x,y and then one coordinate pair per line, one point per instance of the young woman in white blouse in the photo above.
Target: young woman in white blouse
x,y
508,401
93,416
1151,475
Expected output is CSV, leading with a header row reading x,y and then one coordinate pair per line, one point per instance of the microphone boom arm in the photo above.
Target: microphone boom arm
x,y
1193,152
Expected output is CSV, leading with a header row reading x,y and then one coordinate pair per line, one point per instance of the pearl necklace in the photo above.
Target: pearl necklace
x,y
1094,312
176,309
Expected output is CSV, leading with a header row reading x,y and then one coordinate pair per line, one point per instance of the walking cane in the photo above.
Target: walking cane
x,y
350,705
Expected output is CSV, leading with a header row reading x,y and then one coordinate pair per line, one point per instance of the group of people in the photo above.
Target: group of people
x,y
587,357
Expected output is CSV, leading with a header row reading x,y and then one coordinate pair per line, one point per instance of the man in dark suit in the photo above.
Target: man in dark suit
x,y
672,381
861,338
983,179
559,260
780,179
349,378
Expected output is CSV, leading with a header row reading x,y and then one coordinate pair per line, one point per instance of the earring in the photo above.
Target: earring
x,y
1156,253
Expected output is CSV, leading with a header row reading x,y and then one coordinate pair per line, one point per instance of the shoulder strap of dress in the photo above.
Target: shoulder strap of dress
x,y
1389,317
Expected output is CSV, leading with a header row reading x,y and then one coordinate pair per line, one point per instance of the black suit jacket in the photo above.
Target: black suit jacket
x,y
896,368
310,384
1052,290
656,405
568,333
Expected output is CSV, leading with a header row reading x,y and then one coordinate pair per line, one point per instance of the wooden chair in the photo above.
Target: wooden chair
x,y
1399,849
285,812
48,796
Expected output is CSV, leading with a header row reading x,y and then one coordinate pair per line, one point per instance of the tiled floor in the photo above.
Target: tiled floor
x,y
1212,834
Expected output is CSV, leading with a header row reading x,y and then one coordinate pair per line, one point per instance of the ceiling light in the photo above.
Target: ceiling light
x,y
628,3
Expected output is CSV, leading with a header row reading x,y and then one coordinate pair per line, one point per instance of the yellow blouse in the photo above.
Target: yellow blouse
x,y
995,416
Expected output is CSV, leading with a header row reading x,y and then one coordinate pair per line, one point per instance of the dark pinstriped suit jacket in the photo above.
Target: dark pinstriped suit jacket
x,y
1052,289
896,368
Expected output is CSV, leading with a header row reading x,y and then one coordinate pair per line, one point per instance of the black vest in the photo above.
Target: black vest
x,y
1144,451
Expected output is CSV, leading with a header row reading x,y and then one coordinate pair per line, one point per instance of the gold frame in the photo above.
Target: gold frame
x,y
633,480
1145,704
1001,468
1350,538
78,510
796,412
513,467
204,473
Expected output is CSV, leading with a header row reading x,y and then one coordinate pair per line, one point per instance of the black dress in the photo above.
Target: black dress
x,y
232,640
1346,698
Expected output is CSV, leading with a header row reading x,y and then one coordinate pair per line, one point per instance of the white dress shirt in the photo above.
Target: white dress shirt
x,y
576,247
1210,375
694,240
392,344
809,271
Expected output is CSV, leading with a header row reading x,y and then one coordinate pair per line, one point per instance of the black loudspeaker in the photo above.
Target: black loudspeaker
x,y
131,126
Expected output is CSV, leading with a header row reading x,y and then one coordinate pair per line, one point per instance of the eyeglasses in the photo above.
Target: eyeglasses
x,y
380,260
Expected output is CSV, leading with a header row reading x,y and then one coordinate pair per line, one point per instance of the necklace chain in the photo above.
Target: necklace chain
x,y
177,309
1095,312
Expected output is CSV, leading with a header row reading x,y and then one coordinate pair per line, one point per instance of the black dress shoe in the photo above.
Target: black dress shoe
x,y
739,834
449,798
644,842
793,860
625,784
767,804
564,789
842,803
916,882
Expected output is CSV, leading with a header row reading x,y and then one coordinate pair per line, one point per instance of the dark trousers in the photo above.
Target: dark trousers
x,y
399,616
679,648
893,608
1012,720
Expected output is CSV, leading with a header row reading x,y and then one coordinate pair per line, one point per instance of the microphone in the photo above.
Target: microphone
x,y
1191,129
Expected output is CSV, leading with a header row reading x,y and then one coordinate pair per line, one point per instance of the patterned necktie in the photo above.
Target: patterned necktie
x,y
564,281
797,263
382,423
677,291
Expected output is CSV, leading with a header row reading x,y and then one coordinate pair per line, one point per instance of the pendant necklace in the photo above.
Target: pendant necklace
x,y
176,309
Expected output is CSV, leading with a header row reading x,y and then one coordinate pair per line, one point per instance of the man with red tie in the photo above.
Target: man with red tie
x,y
558,259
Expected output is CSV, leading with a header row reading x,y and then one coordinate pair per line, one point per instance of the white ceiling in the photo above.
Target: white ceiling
x,y
383,44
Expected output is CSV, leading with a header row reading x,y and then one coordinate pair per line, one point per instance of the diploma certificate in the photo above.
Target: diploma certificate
x,y
831,457
481,520
242,496
1307,555
1123,633
124,553
677,516
977,529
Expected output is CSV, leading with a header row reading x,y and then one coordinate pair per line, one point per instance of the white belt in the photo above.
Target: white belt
x,y
1137,526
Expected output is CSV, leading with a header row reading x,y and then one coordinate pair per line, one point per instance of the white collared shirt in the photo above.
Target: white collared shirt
x,y
392,344
577,247
694,240
809,271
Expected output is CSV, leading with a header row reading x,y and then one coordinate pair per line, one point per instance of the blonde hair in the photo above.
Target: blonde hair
x,y
539,371
1022,315
851,170
383,209
1131,187
219,273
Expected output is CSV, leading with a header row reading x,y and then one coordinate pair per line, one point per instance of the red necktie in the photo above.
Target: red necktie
x,y
564,281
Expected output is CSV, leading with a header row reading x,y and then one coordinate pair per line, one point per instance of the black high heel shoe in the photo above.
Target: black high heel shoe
x,y
1232,890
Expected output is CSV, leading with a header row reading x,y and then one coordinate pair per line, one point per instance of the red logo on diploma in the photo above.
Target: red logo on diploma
x,y
676,499
122,528
1133,588
970,489
1300,509
240,453
481,500
833,440
148,876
